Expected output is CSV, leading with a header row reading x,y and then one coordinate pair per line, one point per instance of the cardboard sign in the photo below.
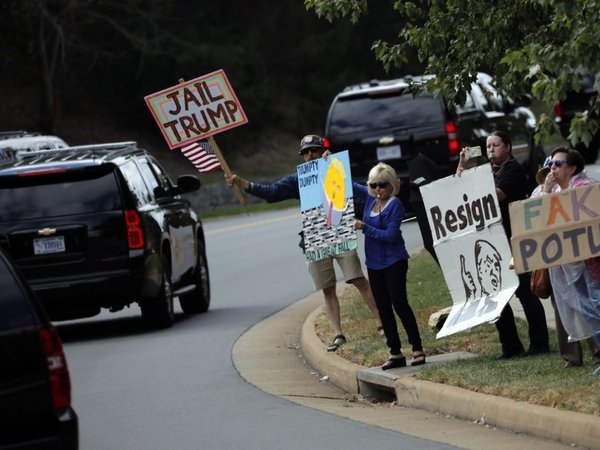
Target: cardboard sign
x,y
471,245
461,205
556,228
196,109
327,206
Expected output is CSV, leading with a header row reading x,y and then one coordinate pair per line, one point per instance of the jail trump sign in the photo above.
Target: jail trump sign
x,y
556,228
196,109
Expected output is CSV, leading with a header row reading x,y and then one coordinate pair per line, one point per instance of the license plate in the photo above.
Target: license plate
x,y
44,246
388,152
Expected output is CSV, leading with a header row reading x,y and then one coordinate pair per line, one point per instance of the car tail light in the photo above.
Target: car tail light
x,y
58,373
135,234
453,142
557,111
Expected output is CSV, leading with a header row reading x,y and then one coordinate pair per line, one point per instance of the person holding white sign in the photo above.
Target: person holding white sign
x,y
322,271
509,178
576,286
386,259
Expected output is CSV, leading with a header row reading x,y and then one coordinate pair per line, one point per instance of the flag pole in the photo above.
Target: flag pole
x,y
236,189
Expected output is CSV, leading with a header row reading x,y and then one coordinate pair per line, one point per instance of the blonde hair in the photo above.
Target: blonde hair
x,y
383,172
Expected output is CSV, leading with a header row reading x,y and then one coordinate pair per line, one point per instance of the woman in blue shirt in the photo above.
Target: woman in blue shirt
x,y
387,261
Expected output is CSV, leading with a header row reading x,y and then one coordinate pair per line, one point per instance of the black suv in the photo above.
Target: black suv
x,y
35,388
102,226
577,102
384,121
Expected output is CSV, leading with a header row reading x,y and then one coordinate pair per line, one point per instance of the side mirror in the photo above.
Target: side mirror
x,y
188,183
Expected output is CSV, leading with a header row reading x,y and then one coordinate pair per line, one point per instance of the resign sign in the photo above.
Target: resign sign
x,y
556,228
196,109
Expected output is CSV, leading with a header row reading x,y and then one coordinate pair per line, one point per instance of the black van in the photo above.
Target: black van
x,y
384,121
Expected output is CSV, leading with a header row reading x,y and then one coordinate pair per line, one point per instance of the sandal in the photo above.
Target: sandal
x,y
418,358
394,361
339,340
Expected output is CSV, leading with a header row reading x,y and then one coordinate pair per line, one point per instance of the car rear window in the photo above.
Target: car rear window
x,y
68,193
14,309
362,113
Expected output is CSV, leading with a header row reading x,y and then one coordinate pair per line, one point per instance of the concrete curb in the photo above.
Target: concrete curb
x,y
341,372
520,417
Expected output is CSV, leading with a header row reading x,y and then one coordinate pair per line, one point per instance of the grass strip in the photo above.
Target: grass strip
x,y
540,380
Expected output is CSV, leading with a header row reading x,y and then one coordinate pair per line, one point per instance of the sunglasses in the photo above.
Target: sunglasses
x,y
382,185
556,162
313,150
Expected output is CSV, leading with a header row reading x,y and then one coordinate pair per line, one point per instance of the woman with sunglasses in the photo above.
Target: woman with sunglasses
x,y
386,259
576,286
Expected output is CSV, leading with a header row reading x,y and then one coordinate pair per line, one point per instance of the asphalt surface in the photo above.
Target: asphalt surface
x,y
283,356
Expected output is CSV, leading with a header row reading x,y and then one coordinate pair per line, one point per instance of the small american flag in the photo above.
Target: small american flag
x,y
201,155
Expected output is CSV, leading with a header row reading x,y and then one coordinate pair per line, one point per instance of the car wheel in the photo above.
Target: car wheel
x,y
158,312
198,301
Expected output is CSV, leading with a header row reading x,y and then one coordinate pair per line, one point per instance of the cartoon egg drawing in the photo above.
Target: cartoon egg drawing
x,y
334,192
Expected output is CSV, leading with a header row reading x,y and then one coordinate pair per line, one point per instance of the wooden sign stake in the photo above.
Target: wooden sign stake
x,y
227,170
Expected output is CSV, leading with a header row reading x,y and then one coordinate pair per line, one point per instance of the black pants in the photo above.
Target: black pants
x,y
536,319
389,290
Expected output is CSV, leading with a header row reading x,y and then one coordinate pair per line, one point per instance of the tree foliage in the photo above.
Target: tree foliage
x,y
529,46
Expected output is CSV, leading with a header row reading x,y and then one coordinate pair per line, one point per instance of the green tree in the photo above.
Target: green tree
x,y
529,46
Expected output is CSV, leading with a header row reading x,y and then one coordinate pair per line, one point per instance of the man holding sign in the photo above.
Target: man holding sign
x,y
322,270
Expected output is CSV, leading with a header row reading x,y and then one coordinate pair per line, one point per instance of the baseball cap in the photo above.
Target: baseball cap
x,y
313,141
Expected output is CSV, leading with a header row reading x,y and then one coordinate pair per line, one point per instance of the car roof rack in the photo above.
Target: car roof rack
x,y
13,156
79,148
107,146
16,134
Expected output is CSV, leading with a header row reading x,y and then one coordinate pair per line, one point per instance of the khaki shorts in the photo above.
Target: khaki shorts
x,y
323,272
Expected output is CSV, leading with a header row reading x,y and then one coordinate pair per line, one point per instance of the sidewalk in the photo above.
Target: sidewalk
x,y
520,417
267,356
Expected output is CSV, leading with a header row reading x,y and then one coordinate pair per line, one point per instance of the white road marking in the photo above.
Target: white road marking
x,y
252,224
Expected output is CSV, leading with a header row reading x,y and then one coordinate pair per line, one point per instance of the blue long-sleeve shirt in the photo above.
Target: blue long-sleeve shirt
x,y
282,189
384,244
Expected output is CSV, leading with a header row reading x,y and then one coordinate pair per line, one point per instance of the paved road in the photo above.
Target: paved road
x,y
178,388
